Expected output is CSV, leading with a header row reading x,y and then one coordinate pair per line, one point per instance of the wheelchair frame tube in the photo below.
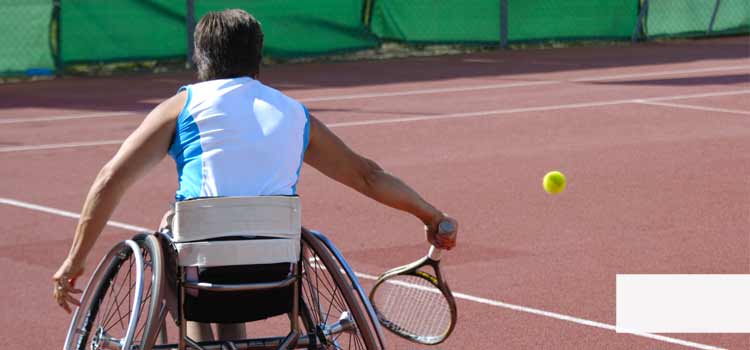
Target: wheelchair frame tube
x,y
247,344
290,341
215,287
181,345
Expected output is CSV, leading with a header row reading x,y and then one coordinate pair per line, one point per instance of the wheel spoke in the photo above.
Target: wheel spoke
x,y
331,304
328,294
325,282
116,303
118,321
126,300
111,302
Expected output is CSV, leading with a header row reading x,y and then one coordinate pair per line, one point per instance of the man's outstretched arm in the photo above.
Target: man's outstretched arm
x,y
141,151
328,153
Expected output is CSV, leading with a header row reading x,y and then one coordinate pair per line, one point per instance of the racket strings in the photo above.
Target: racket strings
x,y
413,305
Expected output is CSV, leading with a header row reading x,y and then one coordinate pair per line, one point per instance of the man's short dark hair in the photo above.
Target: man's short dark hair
x,y
228,44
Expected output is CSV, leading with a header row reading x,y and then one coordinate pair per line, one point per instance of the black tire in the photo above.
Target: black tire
x,y
104,301
327,293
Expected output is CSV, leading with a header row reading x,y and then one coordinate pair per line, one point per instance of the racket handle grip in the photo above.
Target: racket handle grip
x,y
445,227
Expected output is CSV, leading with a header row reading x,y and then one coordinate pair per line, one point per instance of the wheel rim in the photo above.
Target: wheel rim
x,y
103,320
336,326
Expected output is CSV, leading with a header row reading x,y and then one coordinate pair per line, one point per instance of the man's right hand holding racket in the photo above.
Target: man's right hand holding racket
x,y
442,239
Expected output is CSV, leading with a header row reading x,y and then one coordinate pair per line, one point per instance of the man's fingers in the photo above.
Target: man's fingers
x,y
72,300
61,293
60,299
65,307
67,283
443,245
446,244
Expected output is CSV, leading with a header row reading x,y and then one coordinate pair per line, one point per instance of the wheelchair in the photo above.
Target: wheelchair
x,y
225,260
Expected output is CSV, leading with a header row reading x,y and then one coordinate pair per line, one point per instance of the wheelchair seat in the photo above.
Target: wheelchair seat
x,y
230,241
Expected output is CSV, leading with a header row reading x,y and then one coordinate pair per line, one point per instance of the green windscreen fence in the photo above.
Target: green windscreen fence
x,y
479,21
295,28
112,30
543,20
437,21
25,37
667,18
41,36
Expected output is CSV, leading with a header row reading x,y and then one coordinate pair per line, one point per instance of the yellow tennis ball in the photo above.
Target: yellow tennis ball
x,y
554,182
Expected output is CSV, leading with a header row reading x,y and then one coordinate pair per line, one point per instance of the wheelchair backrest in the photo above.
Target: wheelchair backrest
x,y
268,227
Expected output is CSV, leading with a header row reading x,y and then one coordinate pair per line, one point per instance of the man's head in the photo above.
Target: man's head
x,y
228,44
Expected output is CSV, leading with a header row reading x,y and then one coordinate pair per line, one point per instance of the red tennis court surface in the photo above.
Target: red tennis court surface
x,y
654,139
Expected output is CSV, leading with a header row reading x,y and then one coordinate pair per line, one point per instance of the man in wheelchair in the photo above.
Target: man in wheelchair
x,y
232,136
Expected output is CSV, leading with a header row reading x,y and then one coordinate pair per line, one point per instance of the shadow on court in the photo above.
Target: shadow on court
x,y
141,91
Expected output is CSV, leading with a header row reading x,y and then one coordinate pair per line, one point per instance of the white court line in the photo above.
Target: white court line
x,y
490,113
699,108
68,214
427,91
498,112
437,90
59,146
462,296
707,94
519,84
67,117
653,74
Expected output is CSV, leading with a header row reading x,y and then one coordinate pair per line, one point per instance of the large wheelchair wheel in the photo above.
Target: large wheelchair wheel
x,y
122,305
332,305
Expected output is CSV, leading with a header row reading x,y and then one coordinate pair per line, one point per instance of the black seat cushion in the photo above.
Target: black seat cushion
x,y
235,307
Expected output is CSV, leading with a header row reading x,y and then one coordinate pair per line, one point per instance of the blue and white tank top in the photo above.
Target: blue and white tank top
x,y
238,137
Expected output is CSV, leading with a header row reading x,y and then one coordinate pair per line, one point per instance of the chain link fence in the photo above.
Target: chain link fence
x,y
26,32
692,18
121,30
445,21
499,22
570,20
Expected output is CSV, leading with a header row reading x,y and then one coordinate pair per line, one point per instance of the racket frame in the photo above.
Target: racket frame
x,y
414,269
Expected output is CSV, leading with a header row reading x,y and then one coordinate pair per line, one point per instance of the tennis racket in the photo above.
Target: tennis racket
x,y
415,304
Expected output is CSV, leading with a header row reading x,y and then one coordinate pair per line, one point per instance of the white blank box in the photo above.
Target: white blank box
x,y
683,303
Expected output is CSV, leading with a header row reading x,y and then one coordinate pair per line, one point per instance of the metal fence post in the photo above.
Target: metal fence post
x,y
56,42
503,23
190,28
638,31
713,17
367,12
